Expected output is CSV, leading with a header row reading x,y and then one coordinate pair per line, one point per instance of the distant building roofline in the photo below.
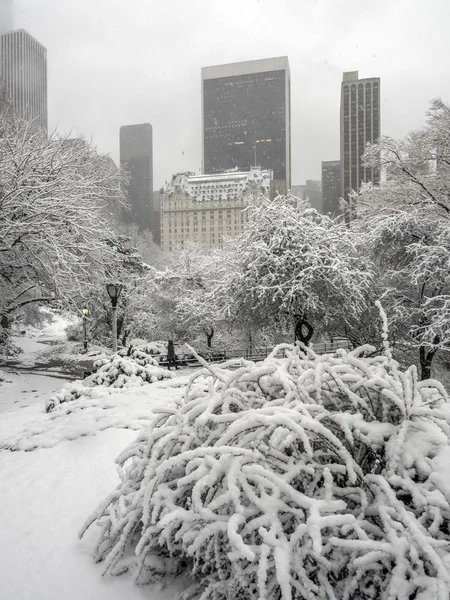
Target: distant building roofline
x,y
14,31
217,185
262,65
136,125
351,76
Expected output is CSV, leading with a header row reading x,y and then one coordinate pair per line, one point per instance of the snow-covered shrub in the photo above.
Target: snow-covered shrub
x,y
116,371
302,477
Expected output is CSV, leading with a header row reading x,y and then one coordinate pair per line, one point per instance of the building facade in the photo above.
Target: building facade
x,y
5,102
136,157
246,118
23,69
360,125
331,187
209,208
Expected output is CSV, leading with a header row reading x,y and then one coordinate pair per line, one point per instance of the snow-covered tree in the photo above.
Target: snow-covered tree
x,y
418,165
407,227
302,477
55,196
295,265
172,303
411,251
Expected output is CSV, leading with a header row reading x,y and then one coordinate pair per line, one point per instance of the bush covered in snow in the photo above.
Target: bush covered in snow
x,y
301,477
117,371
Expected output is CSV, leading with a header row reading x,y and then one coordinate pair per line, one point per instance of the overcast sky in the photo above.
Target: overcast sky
x,y
118,62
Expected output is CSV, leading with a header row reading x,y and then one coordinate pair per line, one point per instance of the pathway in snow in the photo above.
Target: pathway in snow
x,y
68,469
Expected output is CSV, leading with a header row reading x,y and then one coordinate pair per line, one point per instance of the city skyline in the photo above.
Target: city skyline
x,y
403,39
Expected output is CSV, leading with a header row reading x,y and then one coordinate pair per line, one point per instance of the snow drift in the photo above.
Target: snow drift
x,y
301,477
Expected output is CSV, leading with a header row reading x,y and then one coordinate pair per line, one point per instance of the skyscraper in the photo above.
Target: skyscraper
x,y
360,124
136,156
6,16
246,118
23,69
331,187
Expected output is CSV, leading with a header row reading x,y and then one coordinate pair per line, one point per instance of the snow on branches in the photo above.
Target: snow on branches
x,y
294,264
55,199
301,477
116,371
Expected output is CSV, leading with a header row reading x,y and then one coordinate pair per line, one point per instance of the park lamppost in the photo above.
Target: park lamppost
x,y
114,290
85,312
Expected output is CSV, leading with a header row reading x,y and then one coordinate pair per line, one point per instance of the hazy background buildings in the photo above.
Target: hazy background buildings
x,y
136,158
331,187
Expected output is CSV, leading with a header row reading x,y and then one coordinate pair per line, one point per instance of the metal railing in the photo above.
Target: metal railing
x,y
254,354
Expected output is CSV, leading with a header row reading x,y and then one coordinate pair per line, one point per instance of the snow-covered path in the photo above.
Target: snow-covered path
x,y
49,490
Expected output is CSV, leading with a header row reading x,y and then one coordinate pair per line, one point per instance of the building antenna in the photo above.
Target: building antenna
x,y
255,156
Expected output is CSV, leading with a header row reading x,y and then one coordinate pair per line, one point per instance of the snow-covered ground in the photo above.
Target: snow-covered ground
x,y
62,467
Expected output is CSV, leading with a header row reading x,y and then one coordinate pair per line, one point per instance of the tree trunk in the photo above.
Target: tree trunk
x,y
125,335
426,358
301,335
209,336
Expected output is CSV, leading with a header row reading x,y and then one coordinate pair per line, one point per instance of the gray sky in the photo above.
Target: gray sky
x,y
118,62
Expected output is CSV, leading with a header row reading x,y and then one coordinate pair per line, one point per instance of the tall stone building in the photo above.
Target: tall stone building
x,y
209,208
136,157
23,69
331,187
246,118
360,124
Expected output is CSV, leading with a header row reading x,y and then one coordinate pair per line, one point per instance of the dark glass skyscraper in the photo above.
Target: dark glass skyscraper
x,y
136,156
23,69
331,187
360,124
247,118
